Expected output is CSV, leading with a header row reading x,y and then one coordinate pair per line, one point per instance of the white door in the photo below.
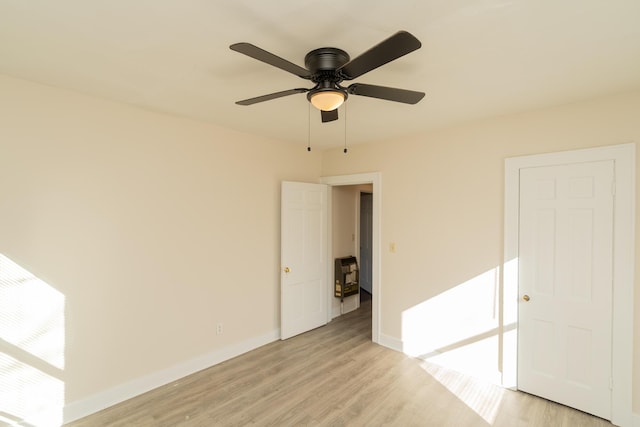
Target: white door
x,y
565,284
366,240
303,280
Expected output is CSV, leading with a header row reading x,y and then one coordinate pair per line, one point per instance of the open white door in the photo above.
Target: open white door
x,y
566,284
303,281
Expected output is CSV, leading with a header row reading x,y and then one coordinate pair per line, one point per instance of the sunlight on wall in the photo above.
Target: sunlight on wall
x,y
32,340
458,328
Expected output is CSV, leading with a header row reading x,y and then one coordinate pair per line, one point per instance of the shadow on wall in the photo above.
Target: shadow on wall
x,y
32,342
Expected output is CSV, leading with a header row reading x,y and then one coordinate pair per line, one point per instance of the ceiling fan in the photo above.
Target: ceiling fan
x,y
327,67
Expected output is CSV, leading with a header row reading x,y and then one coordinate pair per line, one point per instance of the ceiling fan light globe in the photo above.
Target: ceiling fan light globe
x,y
327,100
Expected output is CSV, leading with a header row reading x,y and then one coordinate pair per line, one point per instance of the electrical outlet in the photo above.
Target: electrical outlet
x,y
219,329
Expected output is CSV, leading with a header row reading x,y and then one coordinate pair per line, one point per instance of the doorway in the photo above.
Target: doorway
x,y
352,237
623,158
374,179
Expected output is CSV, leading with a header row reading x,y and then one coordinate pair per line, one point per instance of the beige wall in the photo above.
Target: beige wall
x,y
442,197
146,222
345,200
154,228
344,221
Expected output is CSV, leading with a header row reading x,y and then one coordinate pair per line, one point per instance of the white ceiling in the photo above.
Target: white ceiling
x,y
479,58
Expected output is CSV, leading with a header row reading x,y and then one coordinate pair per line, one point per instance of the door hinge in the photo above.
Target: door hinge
x,y
611,383
613,188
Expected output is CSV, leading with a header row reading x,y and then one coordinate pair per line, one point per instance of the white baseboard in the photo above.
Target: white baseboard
x,y
104,399
390,342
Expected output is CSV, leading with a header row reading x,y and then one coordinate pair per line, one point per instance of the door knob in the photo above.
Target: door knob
x,y
526,298
287,270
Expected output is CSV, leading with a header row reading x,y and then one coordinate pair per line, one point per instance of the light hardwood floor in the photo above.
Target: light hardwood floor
x,y
334,376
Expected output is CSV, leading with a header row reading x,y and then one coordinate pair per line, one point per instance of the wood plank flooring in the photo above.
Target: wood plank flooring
x,y
334,376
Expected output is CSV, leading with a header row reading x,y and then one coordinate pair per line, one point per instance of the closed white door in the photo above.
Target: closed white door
x,y
303,281
565,284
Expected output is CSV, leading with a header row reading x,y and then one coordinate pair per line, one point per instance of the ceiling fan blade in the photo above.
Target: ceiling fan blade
x,y
329,116
387,93
392,48
269,58
271,96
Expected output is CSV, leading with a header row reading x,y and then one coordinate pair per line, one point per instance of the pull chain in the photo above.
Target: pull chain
x,y
345,128
309,127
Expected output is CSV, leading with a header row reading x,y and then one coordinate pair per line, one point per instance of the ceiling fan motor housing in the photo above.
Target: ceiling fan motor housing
x,y
323,63
325,59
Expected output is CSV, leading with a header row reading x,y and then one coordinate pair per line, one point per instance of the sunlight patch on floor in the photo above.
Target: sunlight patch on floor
x,y
483,397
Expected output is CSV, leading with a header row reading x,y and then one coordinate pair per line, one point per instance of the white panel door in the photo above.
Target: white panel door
x,y
565,284
303,280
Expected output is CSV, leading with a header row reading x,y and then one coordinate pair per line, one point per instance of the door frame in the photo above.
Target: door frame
x,y
623,265
375,179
